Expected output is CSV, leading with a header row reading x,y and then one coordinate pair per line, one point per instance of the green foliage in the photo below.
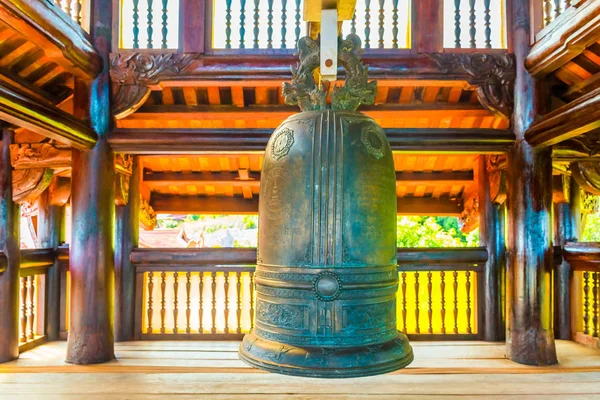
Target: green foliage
x,y
433,232
250,221
591,231
168,223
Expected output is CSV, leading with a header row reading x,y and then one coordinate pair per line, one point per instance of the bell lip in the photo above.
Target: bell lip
x,y
393,362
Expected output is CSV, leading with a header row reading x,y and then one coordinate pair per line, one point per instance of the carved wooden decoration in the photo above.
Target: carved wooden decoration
x,y
132,73
123,164
60,191
469,218
29,208
587,175
590,203
561,187
39,155
496,166
147,215
493,74
28,184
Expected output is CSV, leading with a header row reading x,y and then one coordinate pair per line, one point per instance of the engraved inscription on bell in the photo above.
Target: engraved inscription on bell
x,y
326,278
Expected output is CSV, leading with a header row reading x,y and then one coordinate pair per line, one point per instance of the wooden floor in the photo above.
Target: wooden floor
x,y
211,370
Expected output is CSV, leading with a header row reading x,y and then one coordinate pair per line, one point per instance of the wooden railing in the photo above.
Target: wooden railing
x,y
32,299
247,26
184,293
584,260
78,10
552,9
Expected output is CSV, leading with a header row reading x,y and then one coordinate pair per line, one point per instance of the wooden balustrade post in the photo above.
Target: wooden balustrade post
x,y
530,330
427,27
491,236
10,245
127,228
51,234
194,26
91,337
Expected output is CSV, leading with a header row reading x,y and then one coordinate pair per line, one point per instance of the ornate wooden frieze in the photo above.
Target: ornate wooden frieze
x,y
581,146
123,166
587,175
469,218
133,73
590,203
496,168
39,155
28,184
147,215
493,74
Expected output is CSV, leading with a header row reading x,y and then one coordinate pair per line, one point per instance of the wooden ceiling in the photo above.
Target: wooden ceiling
x,y
582,74
185,184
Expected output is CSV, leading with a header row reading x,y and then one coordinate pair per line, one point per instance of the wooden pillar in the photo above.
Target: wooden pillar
x,y
10,245
127,228
91,338
530,333
491,236
51,234
567,221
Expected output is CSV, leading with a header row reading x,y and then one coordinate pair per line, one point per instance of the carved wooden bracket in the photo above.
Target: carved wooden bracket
x,y
587,145
132,74
123,166
28,184
469,218
147,215
587,176
60,191
590,203
561,188
493,74
39,155
496,168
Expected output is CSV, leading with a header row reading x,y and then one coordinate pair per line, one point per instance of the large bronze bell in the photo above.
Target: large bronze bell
x,y
326,278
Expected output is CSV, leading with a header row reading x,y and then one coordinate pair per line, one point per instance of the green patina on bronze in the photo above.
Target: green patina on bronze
x,y
326,277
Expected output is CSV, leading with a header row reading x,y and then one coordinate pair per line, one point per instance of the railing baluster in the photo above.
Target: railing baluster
x,y
228,24
165,19
283,22
468,287
488,29
150,30
381,21
31,306
136,24
175,300
297,29
68,8
252,299
226,275
547,11
256,17
472,30
395,24
353,24
367,23
417,329
430,302
404,311
457,30
270,24
150,292
595,305
242,24
556,8
238,292
188,310
443,309
77,14
455,289
23,309
213,276
163,310
201,301
586,303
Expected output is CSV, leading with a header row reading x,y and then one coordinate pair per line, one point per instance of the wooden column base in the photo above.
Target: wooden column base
x,y
90,348
531,347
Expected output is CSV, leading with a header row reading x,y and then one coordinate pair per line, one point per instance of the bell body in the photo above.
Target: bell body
x,y
326,278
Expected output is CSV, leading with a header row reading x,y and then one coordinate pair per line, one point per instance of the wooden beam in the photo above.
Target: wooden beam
x,y
21,110
430,178
409,140
565,38
573,119
63,41
173,204
436,256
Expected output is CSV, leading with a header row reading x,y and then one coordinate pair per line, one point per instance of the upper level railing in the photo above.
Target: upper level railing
x,y
274,26
545,12
78,10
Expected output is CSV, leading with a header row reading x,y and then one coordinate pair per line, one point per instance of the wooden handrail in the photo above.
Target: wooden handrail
x,y
584,256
